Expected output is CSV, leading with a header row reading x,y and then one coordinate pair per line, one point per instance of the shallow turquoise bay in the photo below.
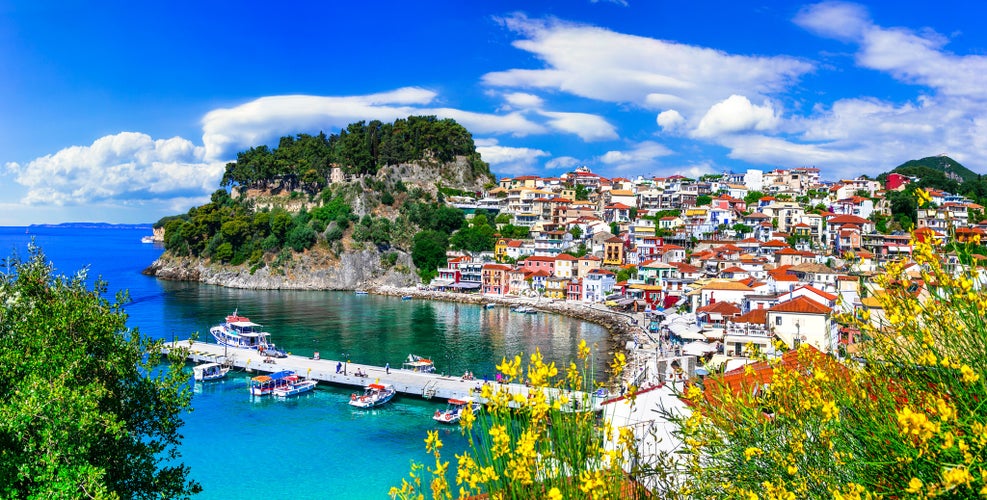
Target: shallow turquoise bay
x,y
316,445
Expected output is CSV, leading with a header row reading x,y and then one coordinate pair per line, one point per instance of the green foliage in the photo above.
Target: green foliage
x,y
626,273
84,410
741,228
576,232
703,199
390,258
301,237
429,251
582,192
478,236
304,161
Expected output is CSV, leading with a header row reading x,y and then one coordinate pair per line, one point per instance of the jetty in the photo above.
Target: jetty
x,y
423,385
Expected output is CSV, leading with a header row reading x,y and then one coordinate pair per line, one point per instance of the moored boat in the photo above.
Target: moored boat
x,y
238,331
406,297
418,364
209,371
454,411
294,389
374,395
264,385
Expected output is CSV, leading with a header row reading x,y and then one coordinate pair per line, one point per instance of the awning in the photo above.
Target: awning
x,y
465,285
698,348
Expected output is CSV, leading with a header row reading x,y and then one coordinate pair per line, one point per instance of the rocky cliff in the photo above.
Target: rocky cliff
x,y
311,270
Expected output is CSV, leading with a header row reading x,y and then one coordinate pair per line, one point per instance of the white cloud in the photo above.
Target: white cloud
x,y
640,156
126,168
524,100
506,159
265,119
908,56
586,126
670,120
736,114
840,20
563,162
600,64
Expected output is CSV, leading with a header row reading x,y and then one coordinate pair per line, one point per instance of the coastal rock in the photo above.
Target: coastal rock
x,y
307,271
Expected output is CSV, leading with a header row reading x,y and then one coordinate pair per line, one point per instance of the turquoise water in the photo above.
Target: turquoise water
x,y
316,445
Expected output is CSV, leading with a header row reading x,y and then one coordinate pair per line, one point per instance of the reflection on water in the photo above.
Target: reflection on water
x,y
376,330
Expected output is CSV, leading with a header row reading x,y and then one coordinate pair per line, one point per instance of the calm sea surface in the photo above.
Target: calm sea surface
x,y
315,446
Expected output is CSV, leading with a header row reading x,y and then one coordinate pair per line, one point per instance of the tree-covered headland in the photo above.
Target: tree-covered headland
x,y
288,199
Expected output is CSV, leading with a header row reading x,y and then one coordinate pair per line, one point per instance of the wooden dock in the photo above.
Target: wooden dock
x,y
423,385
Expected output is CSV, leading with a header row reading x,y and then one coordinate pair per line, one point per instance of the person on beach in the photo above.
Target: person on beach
x,y
339,366
387,368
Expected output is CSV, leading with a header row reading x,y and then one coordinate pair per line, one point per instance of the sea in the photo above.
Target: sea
x,y
316,445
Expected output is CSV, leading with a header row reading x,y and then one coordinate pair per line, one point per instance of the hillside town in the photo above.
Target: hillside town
x,y
724,261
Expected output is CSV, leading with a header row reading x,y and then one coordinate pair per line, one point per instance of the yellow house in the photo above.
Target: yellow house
x,y
555,287
500,249
613,251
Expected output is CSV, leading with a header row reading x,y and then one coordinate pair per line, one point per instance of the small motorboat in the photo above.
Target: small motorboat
x,y
454,411
373,396
265,385
295,388
406,297
209,371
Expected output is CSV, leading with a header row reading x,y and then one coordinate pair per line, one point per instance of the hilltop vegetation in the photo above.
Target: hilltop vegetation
x,y
304,162
373,209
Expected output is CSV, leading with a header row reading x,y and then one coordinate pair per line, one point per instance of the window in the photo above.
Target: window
x,y
778,320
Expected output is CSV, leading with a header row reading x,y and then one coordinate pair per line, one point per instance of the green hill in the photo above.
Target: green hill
x,y
949,167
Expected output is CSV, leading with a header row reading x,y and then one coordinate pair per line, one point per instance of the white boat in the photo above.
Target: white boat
x,y
454,411
361,292
374,395
418,364
489,305
238,331
295,388
264,385
209,371
406,297
147,239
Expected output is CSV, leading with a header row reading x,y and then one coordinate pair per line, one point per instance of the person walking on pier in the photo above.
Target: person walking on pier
x,y
387,368
339,366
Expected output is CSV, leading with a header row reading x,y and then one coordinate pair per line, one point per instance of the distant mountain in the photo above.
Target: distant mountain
x,y
944,164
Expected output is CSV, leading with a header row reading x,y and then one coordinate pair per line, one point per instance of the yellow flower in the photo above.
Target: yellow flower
x,y
501,441
752,452
923,196
618,364
951,478
830,411
432,442
915,485
583,351
968,375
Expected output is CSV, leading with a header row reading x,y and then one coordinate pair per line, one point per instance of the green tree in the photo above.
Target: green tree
x,y
703,199
85,411
576,232
428,252
582,192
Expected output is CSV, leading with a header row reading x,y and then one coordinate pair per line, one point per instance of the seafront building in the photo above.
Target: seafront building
x,y
719,263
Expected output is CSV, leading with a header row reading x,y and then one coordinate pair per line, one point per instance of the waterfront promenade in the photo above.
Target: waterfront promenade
x,y
423,385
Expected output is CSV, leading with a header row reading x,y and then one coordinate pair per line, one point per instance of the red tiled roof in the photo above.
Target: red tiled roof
x,y
724,308
758,316
801,305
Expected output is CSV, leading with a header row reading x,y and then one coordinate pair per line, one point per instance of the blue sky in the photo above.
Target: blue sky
x,y
123,112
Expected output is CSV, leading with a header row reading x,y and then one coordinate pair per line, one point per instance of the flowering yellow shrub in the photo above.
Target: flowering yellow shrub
x,y
905,419
538,443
